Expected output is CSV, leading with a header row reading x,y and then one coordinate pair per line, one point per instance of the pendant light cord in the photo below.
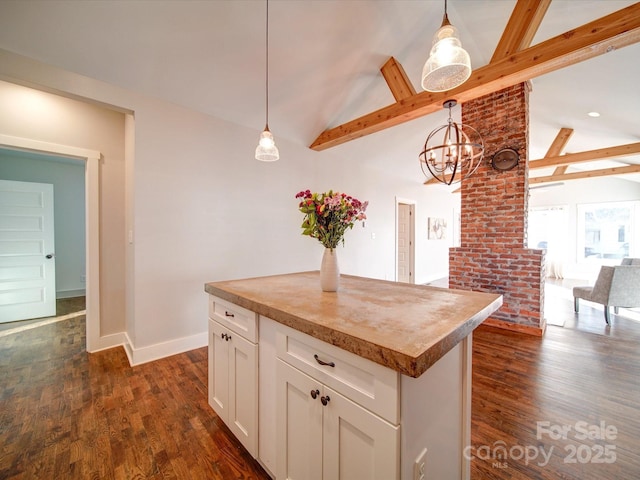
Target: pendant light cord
x,y
267,66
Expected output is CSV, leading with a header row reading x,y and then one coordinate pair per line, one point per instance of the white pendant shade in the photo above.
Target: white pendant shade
x,y
266,151
449,64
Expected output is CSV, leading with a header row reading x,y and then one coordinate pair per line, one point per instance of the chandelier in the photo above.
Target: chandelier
x,y
456,156
449,64
266,151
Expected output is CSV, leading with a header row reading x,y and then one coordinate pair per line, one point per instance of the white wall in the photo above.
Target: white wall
x,y
375,258
200,208
67,178
578,192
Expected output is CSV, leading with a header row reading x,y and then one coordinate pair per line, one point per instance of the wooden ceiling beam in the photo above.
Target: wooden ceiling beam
x,y
588,156
562,161
557,147
558,144
586,174
397,79
521,28
616,30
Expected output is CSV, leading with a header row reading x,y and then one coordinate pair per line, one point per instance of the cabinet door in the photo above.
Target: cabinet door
x,y
358,444
243,391
299,425
218,369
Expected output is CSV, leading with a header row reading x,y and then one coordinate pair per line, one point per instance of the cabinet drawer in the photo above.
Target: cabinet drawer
x,y
236,318
371,385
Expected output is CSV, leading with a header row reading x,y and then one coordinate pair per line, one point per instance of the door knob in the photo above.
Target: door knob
x,y
49,256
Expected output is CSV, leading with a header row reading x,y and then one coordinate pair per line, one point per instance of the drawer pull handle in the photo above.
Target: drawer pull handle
x,y
315,393
227,314
321,362
325,400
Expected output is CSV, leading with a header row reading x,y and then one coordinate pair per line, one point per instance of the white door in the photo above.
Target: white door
x,y
404,243
27,258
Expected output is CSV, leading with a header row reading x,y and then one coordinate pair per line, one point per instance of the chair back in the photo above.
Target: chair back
x,y
630,261
625,286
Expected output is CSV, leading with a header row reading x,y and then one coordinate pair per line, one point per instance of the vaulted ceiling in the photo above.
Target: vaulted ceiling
x,y
325,60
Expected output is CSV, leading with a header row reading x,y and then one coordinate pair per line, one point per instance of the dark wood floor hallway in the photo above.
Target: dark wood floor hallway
x,y
66,414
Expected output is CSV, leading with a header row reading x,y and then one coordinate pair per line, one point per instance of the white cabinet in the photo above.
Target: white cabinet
x,y
375,422
233,372
298,425
323,435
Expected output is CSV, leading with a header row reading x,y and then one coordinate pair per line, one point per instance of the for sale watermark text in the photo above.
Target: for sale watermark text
x,y
590,443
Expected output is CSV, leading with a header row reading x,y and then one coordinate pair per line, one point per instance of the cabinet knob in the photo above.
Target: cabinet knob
x,y
325,400
223,336
322,362
315,393
227,314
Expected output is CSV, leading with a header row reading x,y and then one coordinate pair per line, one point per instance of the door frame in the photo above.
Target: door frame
x,y
412,249
92,222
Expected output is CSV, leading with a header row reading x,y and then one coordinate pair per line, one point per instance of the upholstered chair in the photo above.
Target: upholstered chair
x,y
616,286
630,261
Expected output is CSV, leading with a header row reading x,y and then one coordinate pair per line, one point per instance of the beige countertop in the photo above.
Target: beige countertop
x,y
404,327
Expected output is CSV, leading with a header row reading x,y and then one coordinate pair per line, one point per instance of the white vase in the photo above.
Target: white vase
x,y
329,271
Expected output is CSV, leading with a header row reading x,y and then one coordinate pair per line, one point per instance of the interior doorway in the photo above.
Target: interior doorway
x,y
91,159
405,241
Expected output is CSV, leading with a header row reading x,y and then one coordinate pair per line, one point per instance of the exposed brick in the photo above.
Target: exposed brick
x,y
492,256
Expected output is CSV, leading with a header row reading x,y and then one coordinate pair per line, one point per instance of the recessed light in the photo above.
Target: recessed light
x,y
593,114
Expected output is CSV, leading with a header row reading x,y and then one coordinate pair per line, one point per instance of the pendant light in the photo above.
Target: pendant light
x,y
457,156
449,64
266,151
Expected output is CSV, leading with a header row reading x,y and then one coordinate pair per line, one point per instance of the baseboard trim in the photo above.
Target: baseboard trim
x,y
71,293
128,349
138,356
515,327
106,342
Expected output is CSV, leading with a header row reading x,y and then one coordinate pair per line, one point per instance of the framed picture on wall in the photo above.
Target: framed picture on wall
x,y
437,228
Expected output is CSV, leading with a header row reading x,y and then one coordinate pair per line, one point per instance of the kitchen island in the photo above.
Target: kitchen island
x,y
352,384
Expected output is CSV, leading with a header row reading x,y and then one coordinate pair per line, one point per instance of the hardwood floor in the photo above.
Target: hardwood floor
x,y
64,307
66,414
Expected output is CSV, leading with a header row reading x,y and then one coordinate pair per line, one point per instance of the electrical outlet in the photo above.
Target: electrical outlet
x,y
420,466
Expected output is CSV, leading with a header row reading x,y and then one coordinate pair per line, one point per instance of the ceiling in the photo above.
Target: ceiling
x,y
325,59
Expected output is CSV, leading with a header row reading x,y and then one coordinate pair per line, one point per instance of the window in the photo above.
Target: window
x,y
548,229
606,231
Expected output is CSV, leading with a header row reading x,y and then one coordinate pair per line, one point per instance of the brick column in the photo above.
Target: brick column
x,y
492,256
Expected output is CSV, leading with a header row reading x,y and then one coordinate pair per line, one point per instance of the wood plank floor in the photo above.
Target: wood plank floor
x,y
66,414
